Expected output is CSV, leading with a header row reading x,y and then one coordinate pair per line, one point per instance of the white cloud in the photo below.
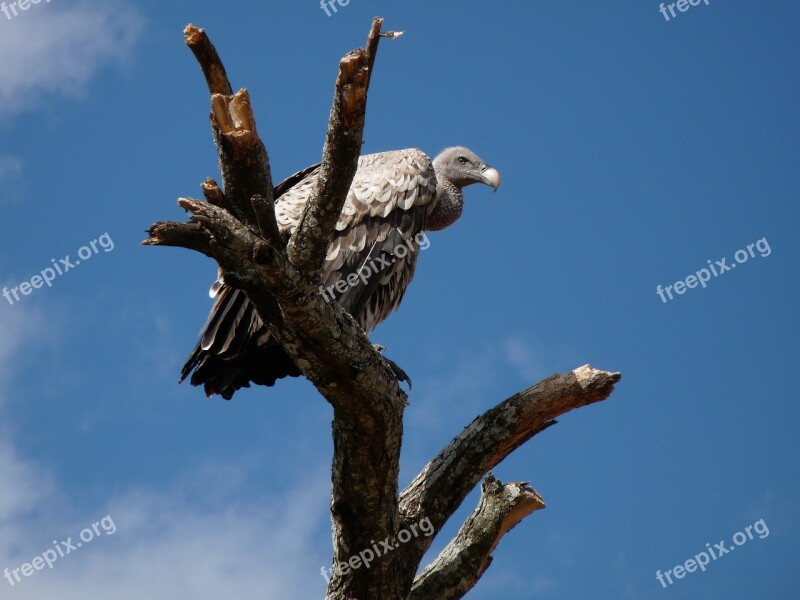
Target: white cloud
x,y
17,326
523,358
9,166
10,182
201,538
23,487
164,548
56,48
27,489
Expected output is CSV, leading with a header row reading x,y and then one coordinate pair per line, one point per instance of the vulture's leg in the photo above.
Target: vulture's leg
x,y
398,372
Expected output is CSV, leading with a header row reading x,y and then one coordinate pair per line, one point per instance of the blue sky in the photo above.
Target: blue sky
x,y
633,150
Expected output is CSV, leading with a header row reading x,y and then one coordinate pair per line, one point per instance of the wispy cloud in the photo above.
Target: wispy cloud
x,y
524,359
27,489
55,49
200,537
18,328
467,379
24,486
166,546
9,166
10,180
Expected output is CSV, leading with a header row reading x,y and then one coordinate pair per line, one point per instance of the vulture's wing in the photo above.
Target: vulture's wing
x,y
377,235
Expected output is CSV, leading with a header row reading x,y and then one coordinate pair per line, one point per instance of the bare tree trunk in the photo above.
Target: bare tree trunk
x,y
377,548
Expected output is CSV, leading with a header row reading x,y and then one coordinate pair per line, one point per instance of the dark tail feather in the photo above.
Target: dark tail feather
x,y
235,349
259,365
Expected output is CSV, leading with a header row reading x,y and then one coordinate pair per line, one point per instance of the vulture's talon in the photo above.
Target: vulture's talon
x,y
399,373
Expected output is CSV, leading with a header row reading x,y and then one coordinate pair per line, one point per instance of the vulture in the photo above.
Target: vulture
x,y
395,198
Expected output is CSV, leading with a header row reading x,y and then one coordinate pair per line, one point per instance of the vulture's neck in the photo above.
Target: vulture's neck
x,y
450,203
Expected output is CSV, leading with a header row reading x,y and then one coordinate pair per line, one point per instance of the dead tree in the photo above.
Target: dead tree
x,y
236,227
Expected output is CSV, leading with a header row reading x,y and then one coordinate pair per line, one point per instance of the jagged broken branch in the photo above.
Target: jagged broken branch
x,y
465,559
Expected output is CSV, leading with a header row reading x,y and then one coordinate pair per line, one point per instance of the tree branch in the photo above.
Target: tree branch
x,y
209,60
465,559
243,159
440,488
265,219
307,248
213,194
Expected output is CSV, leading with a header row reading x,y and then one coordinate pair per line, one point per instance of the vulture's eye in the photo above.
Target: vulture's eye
x,y
462,160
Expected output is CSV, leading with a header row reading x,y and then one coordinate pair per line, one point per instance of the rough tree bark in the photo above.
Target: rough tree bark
x,y
236,227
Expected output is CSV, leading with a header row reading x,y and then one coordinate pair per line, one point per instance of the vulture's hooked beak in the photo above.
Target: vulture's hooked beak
x,y
490,177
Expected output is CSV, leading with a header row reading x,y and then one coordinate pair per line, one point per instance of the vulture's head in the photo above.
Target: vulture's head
x,y
463,167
